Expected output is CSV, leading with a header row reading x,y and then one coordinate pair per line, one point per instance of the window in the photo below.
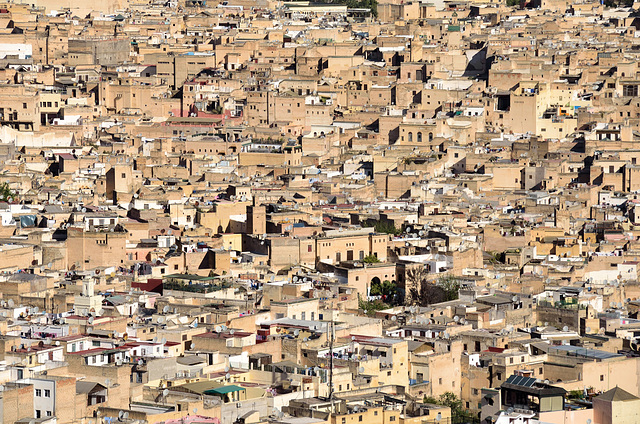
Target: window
x,y
49,413
39,392
24,105
47,393
38,413
392,418
630,90
601,377
360,418
410,137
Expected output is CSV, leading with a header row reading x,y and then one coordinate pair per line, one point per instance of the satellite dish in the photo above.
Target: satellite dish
x,y
165,309
90,320
227,376
140,362
11,303
217,329
226,369
361,369
514,298
393,318
191,346
120,415
295,278
565,328
126,415
353,338
165,392
155,339
587,330
232,331
296,332
456,318
160,320
164,340
224,328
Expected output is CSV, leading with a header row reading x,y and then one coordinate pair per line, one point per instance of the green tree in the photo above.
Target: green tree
x,y
450,285
371,306
384,227
6,193
386,289
371,259
458,413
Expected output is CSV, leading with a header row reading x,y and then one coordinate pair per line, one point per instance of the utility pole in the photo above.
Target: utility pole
x,y
331,339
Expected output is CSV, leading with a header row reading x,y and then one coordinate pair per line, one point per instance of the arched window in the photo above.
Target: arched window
x,y
419,137
430,136
410,137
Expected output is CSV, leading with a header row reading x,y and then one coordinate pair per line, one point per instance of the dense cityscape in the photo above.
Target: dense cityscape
x,y
358,211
